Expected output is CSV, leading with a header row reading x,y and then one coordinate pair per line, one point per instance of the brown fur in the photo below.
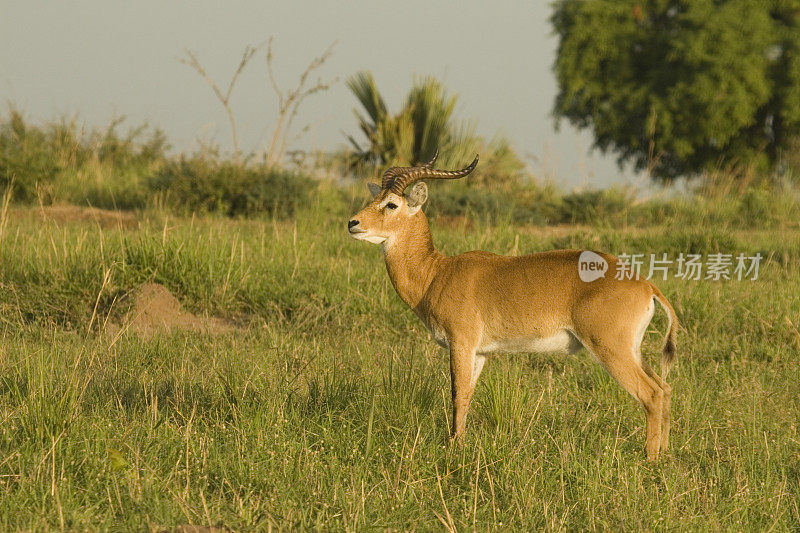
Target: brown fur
x,y
477,302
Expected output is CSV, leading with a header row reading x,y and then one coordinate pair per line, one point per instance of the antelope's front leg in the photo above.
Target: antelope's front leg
x,y
465,367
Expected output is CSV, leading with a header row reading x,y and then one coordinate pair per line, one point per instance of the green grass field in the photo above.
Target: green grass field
x,y
329,406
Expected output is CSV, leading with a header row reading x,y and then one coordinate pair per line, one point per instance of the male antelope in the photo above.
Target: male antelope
x,y
477,302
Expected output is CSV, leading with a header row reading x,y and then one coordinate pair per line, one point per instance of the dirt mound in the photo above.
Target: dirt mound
x,y
189,528
156,309
62,214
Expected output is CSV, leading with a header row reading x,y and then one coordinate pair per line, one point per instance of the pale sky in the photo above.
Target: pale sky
x,y
101,59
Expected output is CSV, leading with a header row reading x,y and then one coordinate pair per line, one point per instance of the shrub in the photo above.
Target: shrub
x,y
526,204
202,184
594,206
59,162
30,156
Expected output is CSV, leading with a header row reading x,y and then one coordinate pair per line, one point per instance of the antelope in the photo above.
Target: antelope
x,y
478,303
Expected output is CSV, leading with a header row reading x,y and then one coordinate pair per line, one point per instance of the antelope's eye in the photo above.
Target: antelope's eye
x,y
391,205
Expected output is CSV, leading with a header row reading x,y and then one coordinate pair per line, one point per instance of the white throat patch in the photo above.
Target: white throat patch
x,y
374,239
366,236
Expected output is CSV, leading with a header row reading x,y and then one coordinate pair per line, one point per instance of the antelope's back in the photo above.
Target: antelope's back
x,y
531,294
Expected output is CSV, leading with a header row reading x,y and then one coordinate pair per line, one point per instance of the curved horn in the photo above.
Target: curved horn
x,y
393,172
424,172
430,163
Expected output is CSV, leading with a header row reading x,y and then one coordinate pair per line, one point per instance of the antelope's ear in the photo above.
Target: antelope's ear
x,y
374,189
417,196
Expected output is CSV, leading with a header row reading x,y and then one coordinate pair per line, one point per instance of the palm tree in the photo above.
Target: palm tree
x,y
424,124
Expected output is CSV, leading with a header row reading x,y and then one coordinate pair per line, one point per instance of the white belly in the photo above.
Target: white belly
x,y
563,341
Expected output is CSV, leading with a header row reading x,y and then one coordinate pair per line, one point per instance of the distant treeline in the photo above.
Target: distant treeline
x,y
58,162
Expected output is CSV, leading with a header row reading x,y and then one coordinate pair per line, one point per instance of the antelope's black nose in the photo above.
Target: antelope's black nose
x,y
352,223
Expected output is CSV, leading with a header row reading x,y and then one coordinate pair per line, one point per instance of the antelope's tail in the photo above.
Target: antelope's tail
x,y
670,352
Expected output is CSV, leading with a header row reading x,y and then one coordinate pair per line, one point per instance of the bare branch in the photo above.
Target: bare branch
x,y
247,55
272,73
193,61
289,102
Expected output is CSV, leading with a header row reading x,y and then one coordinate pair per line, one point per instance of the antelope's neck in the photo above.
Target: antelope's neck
x,y
412,261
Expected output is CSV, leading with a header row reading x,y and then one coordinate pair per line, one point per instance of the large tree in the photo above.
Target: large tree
x,y
682,86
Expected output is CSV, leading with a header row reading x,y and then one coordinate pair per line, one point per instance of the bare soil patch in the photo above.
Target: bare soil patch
x,y
156,309
189,528
63,214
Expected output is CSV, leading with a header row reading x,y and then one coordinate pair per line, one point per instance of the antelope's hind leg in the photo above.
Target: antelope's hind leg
x,y
624,366
667,401
666,413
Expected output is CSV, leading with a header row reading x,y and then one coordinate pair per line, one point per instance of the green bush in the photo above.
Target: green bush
x,y
30,156
595,206
59,162
756,205
201,184
523,204
531,203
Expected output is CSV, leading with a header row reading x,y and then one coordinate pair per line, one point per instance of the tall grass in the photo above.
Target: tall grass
x,y
330,408
60,162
